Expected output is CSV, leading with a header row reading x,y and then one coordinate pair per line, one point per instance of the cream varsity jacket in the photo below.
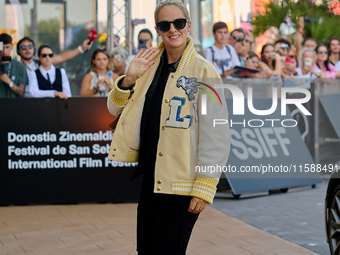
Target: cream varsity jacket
x,y
190,148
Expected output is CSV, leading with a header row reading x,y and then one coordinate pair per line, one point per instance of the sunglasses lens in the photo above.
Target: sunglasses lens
x,y
163,26
180,23
45,55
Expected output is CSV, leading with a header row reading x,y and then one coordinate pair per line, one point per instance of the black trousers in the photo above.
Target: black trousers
x,y
164,224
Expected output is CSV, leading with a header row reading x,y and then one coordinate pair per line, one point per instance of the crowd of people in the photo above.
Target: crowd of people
x,y
31,77
230,52
281,59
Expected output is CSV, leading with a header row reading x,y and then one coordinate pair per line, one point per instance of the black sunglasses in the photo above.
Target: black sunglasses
x,y
179,24
325,52
45,55
25,47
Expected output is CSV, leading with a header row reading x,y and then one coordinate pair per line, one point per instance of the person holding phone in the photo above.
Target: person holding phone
x,y
47,80
289,65
14,79
160,126
306,69
100,80
237,40
282,47
118,60
145,38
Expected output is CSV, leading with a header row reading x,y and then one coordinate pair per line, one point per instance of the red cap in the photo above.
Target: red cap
x,y
92,35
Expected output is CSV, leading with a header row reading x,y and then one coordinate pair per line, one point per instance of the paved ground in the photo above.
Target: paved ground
x,y
297,216
110,229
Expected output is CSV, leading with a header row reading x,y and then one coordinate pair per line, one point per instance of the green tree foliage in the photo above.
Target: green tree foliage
x,y
327,24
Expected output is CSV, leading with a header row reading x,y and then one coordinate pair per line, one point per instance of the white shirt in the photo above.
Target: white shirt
x,y
337,65
308,75
222,59
31,67
33,82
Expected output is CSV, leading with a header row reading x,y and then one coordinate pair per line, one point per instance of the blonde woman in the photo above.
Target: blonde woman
x,y
161,127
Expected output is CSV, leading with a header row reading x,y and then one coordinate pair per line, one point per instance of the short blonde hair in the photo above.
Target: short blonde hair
x,y
176,3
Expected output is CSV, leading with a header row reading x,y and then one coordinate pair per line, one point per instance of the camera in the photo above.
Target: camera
x,y
2,66
284,46
4,58
142,44
118,57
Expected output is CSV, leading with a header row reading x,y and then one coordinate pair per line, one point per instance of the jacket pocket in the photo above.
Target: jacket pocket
x,y
132,156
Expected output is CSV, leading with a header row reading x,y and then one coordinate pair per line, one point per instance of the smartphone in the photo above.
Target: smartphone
x,y
308,62
118,57
142,44
1,46
6,58
109,74
289,60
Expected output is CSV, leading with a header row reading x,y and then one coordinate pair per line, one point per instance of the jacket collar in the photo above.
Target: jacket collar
x,y
188,55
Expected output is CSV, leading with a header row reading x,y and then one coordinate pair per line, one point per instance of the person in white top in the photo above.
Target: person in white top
x,y
48,81
224,58
26,50
101,79
306,69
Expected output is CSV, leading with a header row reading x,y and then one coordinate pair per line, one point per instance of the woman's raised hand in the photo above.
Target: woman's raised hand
x,y
139,65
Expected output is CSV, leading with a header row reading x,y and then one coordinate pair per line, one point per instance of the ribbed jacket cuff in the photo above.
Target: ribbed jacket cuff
x,y
119,97
205,188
